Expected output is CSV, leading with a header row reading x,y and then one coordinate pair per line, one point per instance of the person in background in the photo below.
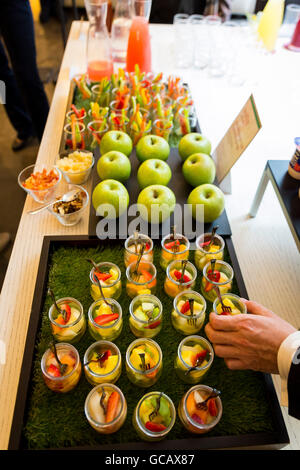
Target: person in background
x,y
26,102
261,341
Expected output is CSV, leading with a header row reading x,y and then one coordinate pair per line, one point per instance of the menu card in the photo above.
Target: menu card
x,y
239,135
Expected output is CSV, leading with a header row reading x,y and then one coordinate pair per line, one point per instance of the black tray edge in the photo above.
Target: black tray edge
x,y
276,440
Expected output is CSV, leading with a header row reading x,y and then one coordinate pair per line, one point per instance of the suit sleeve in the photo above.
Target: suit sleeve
x,y
288,360
293,386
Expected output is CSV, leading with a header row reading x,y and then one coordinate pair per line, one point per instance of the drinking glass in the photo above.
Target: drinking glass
x,y
184,49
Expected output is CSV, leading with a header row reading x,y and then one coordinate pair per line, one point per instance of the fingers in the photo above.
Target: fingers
x,y
218,336
257,309
224,322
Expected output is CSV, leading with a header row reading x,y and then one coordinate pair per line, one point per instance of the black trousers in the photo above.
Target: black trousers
x,y
26,102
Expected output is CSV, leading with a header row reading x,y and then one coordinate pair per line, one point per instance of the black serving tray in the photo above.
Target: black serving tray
x,y
274,439
178,184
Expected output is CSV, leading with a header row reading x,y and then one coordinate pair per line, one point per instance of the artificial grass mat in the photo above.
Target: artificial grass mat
x,y
58,420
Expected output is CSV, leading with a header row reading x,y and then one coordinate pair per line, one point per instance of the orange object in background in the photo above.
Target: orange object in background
x,y
98,69
139,46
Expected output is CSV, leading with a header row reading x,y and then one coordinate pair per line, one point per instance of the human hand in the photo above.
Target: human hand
x,y
248,341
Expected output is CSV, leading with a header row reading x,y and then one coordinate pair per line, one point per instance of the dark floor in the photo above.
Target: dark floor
x,y
49,55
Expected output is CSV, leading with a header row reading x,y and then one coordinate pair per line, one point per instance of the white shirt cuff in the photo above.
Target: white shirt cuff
x,y
285,356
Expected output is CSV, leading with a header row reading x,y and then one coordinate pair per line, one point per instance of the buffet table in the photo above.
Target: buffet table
x,y
265,248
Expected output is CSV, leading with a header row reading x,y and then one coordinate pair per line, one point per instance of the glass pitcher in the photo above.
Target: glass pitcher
x,y
99,51
120,29
139,46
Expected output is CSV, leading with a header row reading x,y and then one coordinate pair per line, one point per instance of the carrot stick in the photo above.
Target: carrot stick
x,y
112,406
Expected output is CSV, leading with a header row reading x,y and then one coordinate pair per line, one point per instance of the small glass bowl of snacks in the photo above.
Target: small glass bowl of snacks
x,y
40,181
216,274
102,363
154,416
106,408
208,246
188,312
75,165
109,276
105,319
70,213
200,409
67,320
143,362
180,276
133,246
145,319
141,279
229,304
194,358
61,367
173,249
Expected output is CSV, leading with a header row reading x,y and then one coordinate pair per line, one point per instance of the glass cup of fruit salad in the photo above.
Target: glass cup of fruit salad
x,y
216,273
173,249
102,363
105,408
133,246
180,276
209,247
194,358
199,413
143,362
105,319
154,416
109,275
67,320
141,278
231,305
188,312
61,367
145,319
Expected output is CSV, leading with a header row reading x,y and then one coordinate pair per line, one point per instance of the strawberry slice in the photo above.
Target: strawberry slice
x,y
153,325
155,427
147,246
181,278
199,357
170,245
105,356
102,276
66,312
54,371
106,318
197,419
213,276
186,307
212,407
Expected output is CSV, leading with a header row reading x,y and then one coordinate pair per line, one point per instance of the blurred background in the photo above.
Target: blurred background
x,y
52,21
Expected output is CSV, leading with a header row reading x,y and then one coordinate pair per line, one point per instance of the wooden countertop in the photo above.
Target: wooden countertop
x,y
266,251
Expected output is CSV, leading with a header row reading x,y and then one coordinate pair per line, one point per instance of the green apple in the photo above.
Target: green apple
x,y
152,146
153,171
199,168
160,199
212,199
111,192
116,140
114,165
194,142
